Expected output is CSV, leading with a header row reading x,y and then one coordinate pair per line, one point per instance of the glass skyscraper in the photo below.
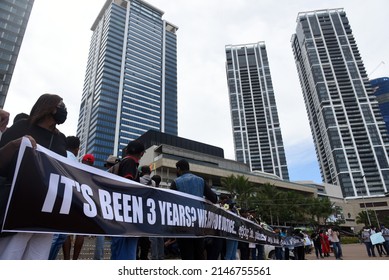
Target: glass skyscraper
x,y
256,128
349,133
14,16
131,78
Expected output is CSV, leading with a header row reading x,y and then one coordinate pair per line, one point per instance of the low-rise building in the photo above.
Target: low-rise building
x,y
164,150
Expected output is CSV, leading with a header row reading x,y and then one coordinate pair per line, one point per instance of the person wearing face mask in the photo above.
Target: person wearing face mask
x,y
48,112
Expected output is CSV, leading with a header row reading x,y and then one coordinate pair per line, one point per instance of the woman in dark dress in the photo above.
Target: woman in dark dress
x,y
48,111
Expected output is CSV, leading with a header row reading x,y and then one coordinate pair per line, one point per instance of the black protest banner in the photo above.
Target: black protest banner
x,y
53,194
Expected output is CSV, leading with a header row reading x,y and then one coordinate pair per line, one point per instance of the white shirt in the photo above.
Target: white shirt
x,y
334,236
71,155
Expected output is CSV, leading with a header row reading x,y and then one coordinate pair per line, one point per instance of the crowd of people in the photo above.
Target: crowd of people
x,y
381,245
40,127
326,242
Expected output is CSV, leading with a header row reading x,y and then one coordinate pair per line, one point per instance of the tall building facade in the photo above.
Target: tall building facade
x,y
349,134
131,78
255,124
14,16
381,91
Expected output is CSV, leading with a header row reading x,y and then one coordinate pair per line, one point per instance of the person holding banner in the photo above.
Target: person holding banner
x,y
48,112
365,237
88,159
99,243
144,241
63,240
376,240
157,243
191,248
231,245
215,246
125,248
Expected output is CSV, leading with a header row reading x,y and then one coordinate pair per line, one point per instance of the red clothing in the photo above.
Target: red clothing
x,y
325,243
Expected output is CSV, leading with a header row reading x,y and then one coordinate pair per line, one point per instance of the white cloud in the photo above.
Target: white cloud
x,y
55,49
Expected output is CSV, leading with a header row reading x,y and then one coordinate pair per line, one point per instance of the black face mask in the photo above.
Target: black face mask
x,y
60,115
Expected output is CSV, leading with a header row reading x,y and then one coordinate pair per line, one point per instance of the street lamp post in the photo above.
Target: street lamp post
x,y
364,203
376,216
367,213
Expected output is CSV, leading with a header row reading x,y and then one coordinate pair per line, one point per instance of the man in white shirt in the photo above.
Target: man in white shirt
x,y
334,238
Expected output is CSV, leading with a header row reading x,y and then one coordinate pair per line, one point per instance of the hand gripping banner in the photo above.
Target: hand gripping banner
x,y
51,193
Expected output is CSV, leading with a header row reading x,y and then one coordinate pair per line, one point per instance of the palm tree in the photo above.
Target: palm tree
x,y
362,217
239,187
294,208
326,208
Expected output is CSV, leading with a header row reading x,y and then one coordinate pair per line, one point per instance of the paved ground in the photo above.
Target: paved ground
x,y
88,249
350,252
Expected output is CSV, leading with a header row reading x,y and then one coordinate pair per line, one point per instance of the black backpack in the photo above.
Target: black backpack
x,y
115,168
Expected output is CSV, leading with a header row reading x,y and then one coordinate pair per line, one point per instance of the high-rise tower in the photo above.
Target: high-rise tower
x,y
14,16
256,128
349,134
131,78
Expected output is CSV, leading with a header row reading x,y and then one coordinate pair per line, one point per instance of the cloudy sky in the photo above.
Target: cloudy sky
x,y
55,48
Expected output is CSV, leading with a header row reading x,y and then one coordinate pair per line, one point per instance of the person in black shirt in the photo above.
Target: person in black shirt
x,y
48,112
124,248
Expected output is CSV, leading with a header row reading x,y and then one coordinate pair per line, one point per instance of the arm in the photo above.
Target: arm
x,y
7,152
209,194
173,185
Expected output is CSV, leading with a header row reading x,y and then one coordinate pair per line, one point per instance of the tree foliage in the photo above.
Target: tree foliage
x,y
275,206
239,187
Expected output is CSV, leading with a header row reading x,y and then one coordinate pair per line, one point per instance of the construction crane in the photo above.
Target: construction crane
x,y
378,66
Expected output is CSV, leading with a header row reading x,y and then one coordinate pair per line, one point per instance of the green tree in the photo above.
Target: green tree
x,y
275,206
265,201
291,207
363,218
295,208
324,208
239,187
